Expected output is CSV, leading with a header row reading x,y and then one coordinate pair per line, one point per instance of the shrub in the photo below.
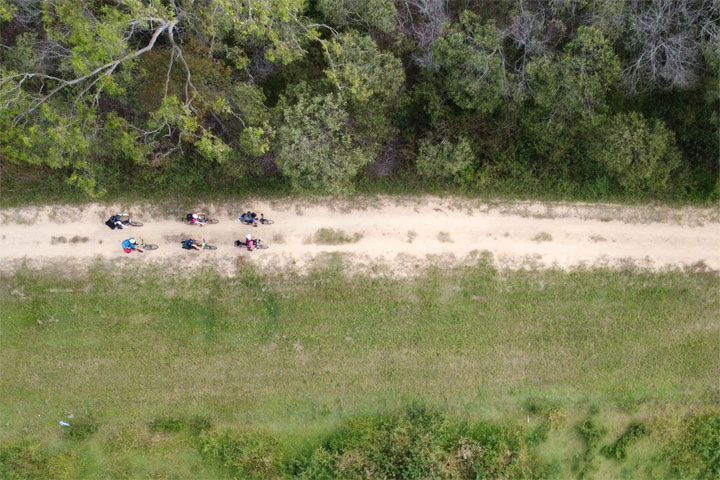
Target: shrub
x,y
633,433
419,444
639,154
444,161
81,428
591,434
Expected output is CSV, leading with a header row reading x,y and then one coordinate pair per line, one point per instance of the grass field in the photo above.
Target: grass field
x,y
293,359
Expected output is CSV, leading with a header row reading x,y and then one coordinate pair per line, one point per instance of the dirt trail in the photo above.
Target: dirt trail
x,y
399,234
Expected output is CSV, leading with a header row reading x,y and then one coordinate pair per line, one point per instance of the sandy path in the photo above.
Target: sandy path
x,y
400,234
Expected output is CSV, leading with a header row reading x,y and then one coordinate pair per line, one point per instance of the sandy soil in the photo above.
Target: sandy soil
x,y
397,235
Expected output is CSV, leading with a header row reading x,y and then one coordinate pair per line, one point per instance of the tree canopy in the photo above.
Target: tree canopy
x,y
592,96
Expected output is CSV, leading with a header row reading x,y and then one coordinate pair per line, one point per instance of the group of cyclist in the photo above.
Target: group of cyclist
x,y
121,220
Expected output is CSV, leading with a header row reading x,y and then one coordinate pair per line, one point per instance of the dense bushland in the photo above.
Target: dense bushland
x,y
588,98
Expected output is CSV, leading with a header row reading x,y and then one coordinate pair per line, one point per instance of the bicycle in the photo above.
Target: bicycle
x,y
149,246
262,219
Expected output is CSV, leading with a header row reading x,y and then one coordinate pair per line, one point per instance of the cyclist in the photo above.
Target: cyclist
x,y
131,244
192,244
249,218
197,218
120,220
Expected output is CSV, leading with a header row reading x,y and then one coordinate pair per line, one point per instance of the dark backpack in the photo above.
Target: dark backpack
x,y
111,223
189,217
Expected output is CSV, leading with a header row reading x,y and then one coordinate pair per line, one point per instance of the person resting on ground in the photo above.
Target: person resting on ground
x,y
197,218
120,220
131,244
249,218
249,242
192,244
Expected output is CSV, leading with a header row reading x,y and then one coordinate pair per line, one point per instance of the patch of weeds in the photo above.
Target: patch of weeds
x,y
167,424
411,236
329,236
278,238
618,450
78,239
547,409
247,455
695,453
542,237
539,434
591,433
444,237
597,238
33,460
56,240
81,428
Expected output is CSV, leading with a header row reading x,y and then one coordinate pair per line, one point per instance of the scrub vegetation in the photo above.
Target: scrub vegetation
x,y
582,99
463,373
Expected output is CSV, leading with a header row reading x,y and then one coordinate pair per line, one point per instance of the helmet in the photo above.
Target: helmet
x,y
248,236
131,240
195,215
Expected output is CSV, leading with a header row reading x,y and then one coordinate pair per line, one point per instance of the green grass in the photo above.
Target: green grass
x,y
137,355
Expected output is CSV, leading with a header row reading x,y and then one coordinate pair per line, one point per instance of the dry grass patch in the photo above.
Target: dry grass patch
x,y
542,237
330,236
444,237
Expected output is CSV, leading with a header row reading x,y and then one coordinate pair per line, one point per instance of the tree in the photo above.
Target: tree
x,y
317,149
576,85
90,56
639,154
470,59
666,39
361,70
366,14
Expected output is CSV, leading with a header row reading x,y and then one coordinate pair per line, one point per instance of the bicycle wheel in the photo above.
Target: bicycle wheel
x,y
210,247
212,221
150,246
265,221
262,246
133,223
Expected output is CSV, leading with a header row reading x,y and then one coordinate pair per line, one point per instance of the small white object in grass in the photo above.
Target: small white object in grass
x,y
64,424
528,418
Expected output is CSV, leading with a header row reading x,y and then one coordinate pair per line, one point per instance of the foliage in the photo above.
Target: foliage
x,y
446,161
365,14
696,452
247,455
317,148
420,444
639,154
619,449
591,433
471,62
175,93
